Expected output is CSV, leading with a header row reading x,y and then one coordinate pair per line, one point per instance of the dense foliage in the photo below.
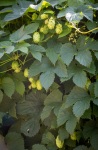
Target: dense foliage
x,y
49,74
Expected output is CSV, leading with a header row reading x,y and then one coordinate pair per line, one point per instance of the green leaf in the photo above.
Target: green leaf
x,y
92,25
89,128
54,97
63,134
19,35
13,140
37,55
18,10
73,14
81,106
7,2
46,112
39,147
52,55
33,104
47,79
54,44
5,44
94,138
66,31
91,69
71,124
63,116
96,89
84,57
8,86
23,47
80,78
9,49
75,3
20,88
53,2
1,96
32,107
48,138
87,12
30,127
38,67
31,28
75,95
96,54
95,101
1,53
81,147
60,69
67,53
37,48
87,114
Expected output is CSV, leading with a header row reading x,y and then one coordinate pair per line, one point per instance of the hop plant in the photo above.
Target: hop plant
x,y
58,29
34,16
44,29
26,73
46,21
38,85
33,84
30,80
59,143
87,84
17,70
73,136
51,23
44,16
36,37
15,65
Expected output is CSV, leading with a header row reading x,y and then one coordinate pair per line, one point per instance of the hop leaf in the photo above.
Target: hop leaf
x,y
36,37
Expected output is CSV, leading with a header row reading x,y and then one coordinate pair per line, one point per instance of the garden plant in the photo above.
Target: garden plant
x,y
49,74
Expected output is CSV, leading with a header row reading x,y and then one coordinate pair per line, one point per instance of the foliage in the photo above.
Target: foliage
x,y
49,74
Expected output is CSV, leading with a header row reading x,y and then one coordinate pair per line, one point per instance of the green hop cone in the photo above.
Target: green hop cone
x,y
36,37
44,29
15,65
51,23
26,73
58,29
73,136
34,16
41,29
46,21
59,143
44,16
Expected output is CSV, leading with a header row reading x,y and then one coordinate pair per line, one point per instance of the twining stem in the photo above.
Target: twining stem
x,y
6,61
25,59
6,70
47,39
77,29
